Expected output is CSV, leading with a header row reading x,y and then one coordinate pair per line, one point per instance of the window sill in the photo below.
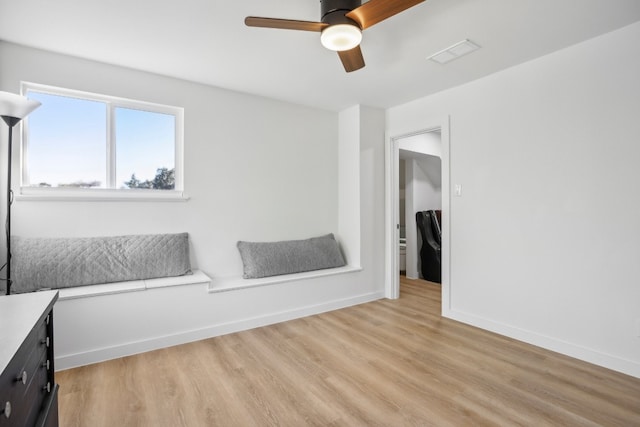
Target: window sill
x,y
225,284
99,194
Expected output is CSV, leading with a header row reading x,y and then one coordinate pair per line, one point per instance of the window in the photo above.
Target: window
x,y
80,144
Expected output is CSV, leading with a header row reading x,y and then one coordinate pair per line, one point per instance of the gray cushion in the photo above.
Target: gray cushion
x,y
65,262
264,259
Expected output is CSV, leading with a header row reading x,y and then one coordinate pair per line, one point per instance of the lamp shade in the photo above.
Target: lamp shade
x,y
16,106
341,37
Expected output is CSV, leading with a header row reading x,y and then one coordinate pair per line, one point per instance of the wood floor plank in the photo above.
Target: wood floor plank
x,y
385,363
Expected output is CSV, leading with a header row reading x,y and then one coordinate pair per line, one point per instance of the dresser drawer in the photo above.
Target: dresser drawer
x,y
27,381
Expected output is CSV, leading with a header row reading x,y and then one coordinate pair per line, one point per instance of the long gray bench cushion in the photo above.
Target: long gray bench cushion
x,y
65,262
264,259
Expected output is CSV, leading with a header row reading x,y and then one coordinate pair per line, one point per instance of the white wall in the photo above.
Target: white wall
x,y
255,169
423,143
411,233
349,188
428,184
364,127
401,194
544,239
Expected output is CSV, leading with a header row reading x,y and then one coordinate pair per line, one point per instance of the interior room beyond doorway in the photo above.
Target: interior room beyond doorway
x,y
420,190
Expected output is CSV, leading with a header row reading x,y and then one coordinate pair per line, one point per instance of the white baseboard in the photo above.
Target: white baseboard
x,y
67,361
608,361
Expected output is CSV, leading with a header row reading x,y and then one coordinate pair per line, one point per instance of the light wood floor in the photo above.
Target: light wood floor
x,y
387,363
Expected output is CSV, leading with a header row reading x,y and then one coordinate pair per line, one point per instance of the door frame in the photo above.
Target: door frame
x,y
392,214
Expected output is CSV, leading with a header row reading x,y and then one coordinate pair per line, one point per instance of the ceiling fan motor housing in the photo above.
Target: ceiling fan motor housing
x,y
333,11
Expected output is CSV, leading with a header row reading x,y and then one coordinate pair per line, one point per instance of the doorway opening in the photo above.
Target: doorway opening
x,y
420,206
431,144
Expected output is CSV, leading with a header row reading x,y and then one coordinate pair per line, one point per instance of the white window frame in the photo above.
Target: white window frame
x,y
110,193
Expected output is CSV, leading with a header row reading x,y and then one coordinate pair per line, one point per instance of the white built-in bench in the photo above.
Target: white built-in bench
x,y
118,318
224,284
106,321
132,286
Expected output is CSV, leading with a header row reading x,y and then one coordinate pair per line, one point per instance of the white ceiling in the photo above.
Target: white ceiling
x,y
206,41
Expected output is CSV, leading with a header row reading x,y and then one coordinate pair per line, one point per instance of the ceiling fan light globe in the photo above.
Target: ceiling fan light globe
x,y
341,37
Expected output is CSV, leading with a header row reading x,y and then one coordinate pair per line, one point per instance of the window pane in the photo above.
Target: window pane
x,y
145,149
67,142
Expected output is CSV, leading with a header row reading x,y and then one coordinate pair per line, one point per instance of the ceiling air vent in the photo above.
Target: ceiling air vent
x,y
452,52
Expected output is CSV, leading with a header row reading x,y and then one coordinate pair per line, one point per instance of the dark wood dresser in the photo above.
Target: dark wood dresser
x,y
28,391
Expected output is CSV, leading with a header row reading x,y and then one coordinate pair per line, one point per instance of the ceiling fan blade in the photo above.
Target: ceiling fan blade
x,y
352,59
375,11
286,24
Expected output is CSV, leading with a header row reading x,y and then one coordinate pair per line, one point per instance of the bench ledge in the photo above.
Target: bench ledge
x,y
225,284
133,285
219,284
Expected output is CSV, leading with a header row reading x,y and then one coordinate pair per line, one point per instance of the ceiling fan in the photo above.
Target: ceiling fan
x,y
341,25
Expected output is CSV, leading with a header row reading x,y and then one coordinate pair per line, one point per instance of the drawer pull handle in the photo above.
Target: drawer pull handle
x,y
23,378
7,409
45,341
47,387
47,365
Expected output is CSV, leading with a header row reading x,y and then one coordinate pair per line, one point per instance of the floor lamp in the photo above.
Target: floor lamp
x,y
13,108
